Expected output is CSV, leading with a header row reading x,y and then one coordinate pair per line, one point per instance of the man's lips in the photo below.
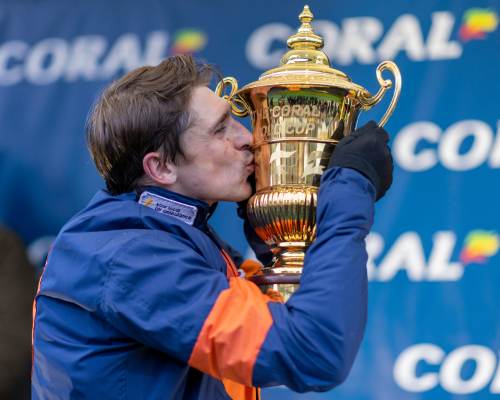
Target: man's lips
x,y
250,168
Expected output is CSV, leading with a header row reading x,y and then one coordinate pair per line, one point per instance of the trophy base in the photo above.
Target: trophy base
x,y
285,283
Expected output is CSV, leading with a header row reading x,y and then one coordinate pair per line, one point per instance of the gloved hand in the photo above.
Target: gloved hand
x,y
260,248
366,151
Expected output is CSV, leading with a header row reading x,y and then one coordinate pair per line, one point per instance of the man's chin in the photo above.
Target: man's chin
x,y
242,194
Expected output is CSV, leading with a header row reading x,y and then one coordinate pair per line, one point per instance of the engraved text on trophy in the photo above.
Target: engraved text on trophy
x,y
296,133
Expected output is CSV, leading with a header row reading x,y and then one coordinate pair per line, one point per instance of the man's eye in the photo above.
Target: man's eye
x,y
221,129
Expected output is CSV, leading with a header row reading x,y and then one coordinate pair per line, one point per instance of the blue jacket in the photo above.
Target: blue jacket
x,y
139,301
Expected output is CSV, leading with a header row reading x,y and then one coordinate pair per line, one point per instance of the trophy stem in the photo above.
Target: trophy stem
x,y
290,257
283,275
285,283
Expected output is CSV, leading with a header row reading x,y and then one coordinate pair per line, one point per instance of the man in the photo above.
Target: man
x,y
139,299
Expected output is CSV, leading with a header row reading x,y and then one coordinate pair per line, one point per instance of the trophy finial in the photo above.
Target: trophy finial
x,y
305,38
306,15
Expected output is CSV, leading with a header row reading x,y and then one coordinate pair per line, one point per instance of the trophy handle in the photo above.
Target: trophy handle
x,y
368,101
238,106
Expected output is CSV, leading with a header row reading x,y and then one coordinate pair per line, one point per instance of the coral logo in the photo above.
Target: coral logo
x,y
364,40
425,366
189,41
423,145
86,57
367,40
90,57
477,22
479,246
407,255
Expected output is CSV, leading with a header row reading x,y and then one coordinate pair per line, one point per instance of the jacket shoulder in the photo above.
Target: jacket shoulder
x,y
113,231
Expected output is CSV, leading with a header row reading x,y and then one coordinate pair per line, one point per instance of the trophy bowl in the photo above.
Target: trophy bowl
x,y
299,112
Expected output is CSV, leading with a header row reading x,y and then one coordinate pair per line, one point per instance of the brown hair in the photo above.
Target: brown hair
x,y
144,111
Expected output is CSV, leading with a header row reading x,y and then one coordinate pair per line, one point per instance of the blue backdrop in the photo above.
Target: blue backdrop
x,y
433,330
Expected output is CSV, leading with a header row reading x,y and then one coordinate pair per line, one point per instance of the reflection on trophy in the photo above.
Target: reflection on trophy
x,y
299,111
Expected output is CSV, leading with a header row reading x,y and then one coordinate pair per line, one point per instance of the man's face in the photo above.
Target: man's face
x,y
217,154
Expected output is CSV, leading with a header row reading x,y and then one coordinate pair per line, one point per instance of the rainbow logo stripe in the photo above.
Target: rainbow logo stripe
x,y
477,22
188,41
479,246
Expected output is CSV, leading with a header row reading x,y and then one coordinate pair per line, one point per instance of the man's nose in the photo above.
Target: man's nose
x,y
243,138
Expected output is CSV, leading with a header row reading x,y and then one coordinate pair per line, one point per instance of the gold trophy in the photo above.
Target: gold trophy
x,y
299,112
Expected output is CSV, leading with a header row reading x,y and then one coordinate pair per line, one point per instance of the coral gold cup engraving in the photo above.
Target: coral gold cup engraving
x,y
299,111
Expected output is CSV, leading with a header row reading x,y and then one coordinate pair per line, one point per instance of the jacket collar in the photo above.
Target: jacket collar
x,y
183,208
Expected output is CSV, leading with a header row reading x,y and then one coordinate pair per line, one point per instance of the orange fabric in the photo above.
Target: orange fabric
x,y
237,391
254,268
233,333
251,268
274,295
33,316
231,269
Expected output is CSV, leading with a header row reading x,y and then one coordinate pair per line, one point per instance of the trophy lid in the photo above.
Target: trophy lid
x,y
304,64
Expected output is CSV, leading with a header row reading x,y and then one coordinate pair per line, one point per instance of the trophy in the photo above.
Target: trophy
x,y
299,112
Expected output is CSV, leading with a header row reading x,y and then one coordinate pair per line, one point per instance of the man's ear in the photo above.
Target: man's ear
x,y
162,173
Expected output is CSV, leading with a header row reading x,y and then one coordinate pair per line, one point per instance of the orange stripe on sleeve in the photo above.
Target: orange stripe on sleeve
x,y
237,391
233,333
231,269
33,317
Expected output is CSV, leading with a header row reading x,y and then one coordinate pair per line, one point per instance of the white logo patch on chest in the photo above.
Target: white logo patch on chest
x,y
181,211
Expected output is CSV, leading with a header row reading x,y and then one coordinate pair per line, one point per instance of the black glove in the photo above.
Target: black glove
x,y
366,151
260,248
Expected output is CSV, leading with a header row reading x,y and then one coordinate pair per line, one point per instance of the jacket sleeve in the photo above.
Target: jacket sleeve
x,y
315,336
164,294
